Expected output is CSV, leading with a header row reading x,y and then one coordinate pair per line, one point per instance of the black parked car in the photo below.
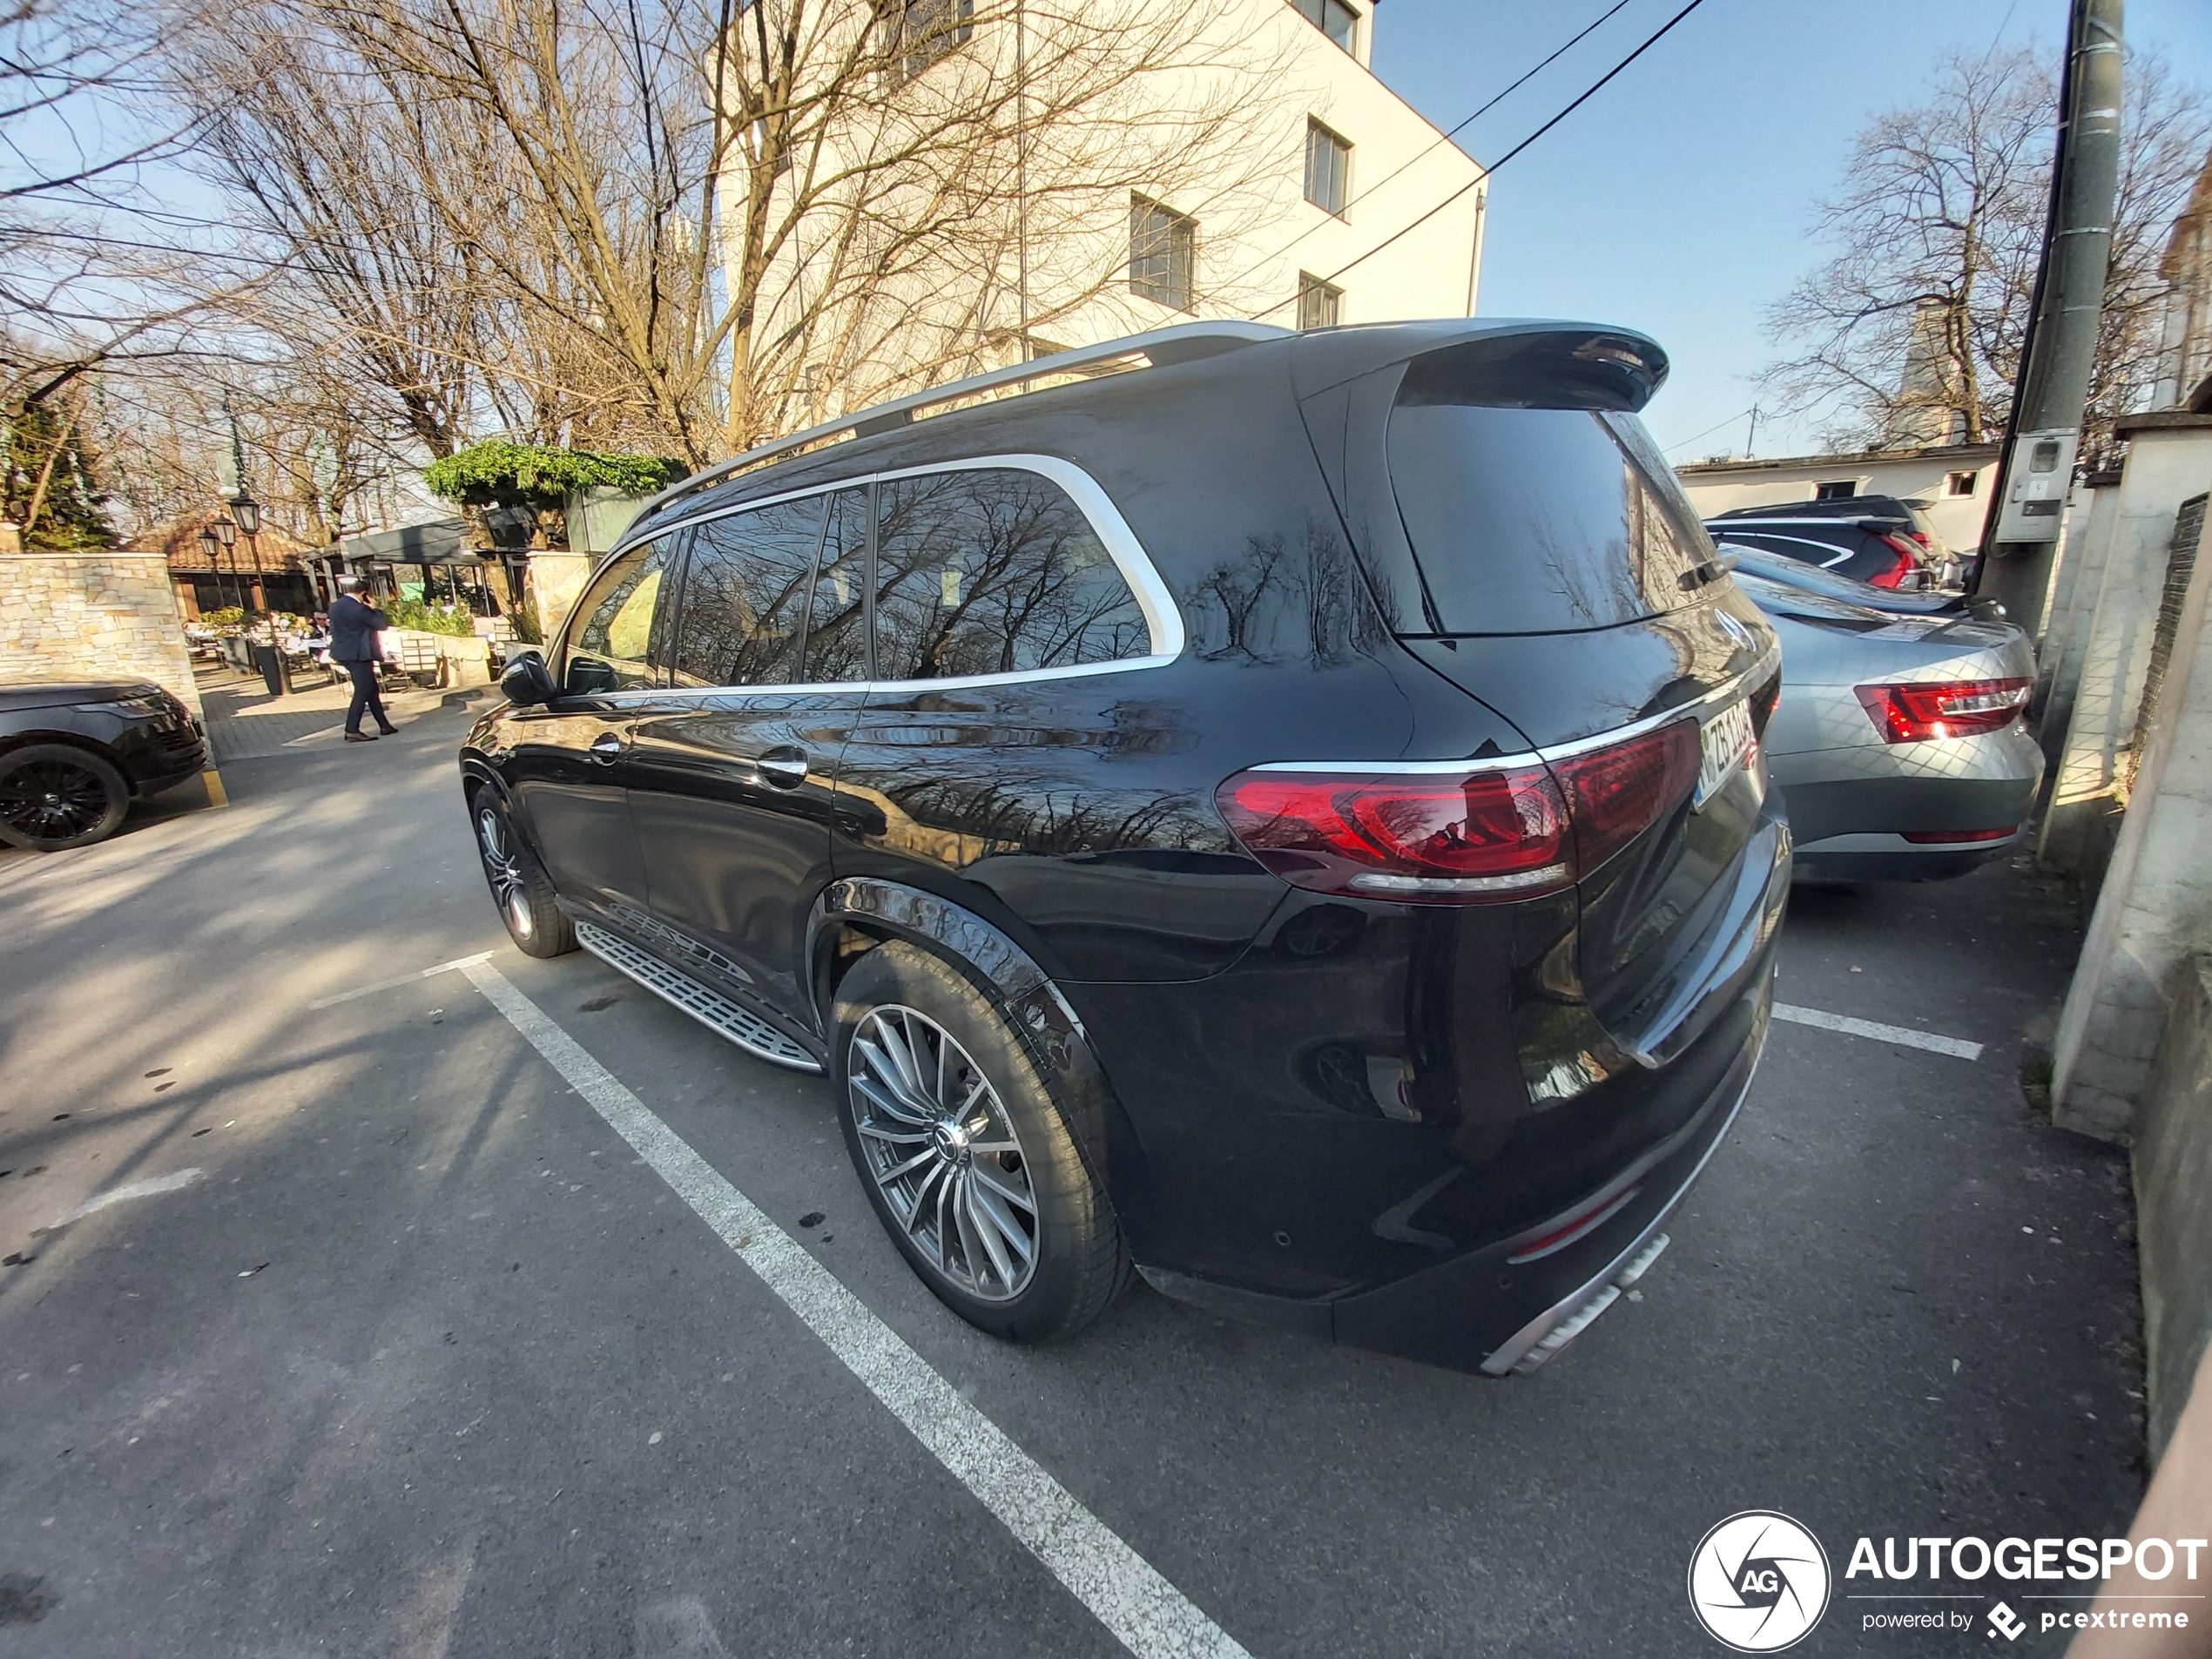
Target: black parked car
x,y
73,755
1878,540
1288,818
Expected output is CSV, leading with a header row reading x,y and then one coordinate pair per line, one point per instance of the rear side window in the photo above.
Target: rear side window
x,y
613,645
994,571
837,629
1541,520
745,596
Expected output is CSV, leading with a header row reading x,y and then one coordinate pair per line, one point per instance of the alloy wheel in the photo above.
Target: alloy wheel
x,y
943,1152
507,888
52,800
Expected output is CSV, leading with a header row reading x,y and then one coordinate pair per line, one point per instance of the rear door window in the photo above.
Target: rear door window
x,y
745,594
1540,521
994,571
837,628
615,643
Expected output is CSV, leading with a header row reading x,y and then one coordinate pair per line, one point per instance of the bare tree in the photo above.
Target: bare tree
x,y
84,288
1940,215
656,224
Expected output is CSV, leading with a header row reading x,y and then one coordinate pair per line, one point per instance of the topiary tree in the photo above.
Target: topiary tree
x,y
526,479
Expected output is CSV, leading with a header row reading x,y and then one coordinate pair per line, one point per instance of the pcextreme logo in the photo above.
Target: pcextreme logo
x,y
1758,1581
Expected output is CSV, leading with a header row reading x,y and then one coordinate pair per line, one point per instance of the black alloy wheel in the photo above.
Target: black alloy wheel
x,y
963,1154
54,796
519,885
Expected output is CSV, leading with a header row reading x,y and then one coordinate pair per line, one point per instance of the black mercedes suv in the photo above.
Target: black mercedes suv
x,y
1287,820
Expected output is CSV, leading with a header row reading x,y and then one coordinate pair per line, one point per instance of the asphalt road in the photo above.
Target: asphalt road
x,y
412,1354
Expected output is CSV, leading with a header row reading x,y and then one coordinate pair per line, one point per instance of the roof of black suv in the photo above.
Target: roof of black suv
x,y
1592,365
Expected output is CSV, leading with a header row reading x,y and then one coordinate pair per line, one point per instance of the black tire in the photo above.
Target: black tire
x,y
1079,1263
520,888
54,796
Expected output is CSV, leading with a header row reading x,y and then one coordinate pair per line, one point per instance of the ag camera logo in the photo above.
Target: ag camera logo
x,y
1758,1581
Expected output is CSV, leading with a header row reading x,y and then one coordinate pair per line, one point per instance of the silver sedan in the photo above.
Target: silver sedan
x,y
1897,742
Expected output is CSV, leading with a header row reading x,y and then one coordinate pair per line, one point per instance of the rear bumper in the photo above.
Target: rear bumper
x,y
1874,857
1489,1312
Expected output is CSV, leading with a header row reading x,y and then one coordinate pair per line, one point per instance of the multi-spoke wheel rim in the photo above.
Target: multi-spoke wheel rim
x,y
53,801
943,1151
506,888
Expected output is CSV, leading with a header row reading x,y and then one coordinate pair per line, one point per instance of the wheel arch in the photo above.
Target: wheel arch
x,y
14,740
854,914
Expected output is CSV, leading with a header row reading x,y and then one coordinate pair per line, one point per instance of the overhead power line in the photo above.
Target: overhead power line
x,y
1590,92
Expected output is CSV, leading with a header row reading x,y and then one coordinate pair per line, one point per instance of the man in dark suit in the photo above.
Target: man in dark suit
x,y
353,628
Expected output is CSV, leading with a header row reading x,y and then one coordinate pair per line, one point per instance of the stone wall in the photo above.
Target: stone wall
x,y
2173,1170
105,616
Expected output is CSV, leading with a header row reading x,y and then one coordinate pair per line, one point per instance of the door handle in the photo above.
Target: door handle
x,y
784,767
607,746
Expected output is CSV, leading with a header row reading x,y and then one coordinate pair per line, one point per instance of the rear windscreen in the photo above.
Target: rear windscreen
x,y
1530,521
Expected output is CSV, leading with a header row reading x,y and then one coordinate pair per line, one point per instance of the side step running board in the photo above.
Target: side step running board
x,y
709,1007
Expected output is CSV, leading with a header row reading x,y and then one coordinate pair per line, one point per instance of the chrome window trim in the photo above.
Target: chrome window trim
x,y
1163,618
1703,708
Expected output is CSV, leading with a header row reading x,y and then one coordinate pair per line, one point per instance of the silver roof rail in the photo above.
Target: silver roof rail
x,y
1183,343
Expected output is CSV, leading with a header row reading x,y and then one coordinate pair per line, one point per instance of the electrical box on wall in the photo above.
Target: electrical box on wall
x,y
2036,492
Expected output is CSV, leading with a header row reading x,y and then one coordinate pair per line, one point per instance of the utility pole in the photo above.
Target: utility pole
x,y
2020,538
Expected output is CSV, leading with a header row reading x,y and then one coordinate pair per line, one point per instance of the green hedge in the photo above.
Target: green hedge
x,y
429,619
497,473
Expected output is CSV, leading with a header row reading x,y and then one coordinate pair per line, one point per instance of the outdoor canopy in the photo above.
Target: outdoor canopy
x,y
442,540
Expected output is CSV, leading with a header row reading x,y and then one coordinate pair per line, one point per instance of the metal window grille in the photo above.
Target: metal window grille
x,y
1328,168
1163,252
1319,305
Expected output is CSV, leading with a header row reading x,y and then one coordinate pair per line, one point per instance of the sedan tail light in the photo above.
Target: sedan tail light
x,y
1906,572
1477,835
1928,709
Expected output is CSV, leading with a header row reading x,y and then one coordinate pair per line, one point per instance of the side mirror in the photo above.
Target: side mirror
x,y
527,682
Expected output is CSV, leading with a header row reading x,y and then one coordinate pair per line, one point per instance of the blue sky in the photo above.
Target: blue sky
x,y
1678,201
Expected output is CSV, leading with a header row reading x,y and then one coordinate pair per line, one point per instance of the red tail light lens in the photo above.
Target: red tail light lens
x,y
1616,794
1925,710
1449,840
1951,838
1473,837
1905,571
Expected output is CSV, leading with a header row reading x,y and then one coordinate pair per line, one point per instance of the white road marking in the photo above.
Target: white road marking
x,y
123,1195
1149,1616
1958,1048
402,979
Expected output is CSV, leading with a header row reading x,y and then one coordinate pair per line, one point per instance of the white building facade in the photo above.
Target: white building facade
x,y
1241,161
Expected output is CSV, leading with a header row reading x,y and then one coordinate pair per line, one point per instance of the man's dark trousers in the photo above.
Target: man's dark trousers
x,y
365,697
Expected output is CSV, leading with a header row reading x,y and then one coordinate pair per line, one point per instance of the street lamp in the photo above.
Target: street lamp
x,y
210,543
245,514
226,536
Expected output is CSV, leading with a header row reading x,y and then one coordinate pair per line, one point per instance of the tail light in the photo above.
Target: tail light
x,y
1925,710
1473,836
1907,565
1953,838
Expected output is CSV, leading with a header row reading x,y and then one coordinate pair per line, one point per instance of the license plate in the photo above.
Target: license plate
x,y
1724,744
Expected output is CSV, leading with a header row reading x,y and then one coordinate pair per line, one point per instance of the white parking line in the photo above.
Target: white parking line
x,y
1958,1048
1149,1616
401,978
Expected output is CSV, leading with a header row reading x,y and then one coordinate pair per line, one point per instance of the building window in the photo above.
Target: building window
x,y
924,31
1835,490
1328,168
1332,17
1959,484
1319,305
1163,252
